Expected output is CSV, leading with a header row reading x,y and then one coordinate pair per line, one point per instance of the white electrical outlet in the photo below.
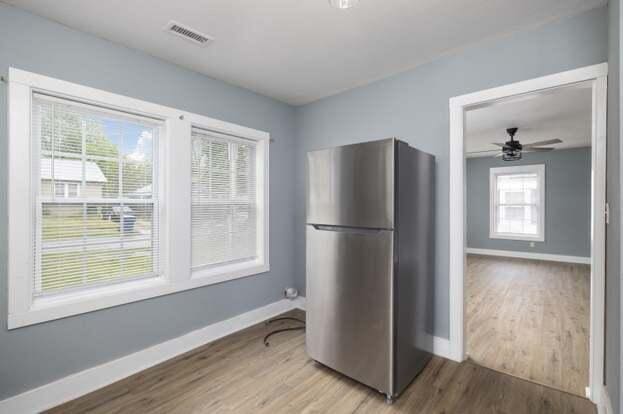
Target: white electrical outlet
x,y
291,293
531,244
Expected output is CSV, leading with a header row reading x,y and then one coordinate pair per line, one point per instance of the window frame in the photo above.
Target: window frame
x,y
174,189
539,170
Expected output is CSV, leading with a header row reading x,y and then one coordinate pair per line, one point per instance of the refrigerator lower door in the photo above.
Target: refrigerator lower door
x,y
349,297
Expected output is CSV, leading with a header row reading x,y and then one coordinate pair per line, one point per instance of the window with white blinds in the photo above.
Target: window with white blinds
x,y
96,200
102,192
224,210
517,202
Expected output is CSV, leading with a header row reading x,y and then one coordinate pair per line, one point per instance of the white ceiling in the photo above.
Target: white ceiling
x,y
299,51
563,113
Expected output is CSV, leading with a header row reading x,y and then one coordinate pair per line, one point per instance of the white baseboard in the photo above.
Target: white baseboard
x,y
530,255
299,302
81,383
89,380
441,347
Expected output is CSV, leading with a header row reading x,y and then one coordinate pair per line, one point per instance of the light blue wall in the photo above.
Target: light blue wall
x,y
414,106
567,203
38,354
613,238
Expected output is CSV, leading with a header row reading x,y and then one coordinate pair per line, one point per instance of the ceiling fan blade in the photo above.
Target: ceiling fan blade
x,y
499,144
481,152
540,143
537,149
501,154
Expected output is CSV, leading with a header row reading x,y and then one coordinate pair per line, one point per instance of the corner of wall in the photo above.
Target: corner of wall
x,y
614,331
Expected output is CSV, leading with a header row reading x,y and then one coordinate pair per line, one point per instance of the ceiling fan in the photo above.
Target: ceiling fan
x,y
512,149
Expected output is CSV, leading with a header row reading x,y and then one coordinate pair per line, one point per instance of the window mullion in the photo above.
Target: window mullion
x,y
178,182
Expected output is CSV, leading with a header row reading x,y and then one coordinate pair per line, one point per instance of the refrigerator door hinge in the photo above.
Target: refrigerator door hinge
x,y
607,212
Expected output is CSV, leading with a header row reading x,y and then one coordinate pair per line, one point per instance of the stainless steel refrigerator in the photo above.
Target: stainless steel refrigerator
x,y
370,261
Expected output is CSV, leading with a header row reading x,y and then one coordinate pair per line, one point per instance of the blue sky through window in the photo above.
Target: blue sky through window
x,y
131,138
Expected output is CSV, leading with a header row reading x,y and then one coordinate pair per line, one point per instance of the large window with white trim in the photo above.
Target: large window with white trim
x,y
114,200
517,199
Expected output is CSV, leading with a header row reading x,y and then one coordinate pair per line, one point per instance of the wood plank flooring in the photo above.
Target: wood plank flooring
x,y
530,319
238,374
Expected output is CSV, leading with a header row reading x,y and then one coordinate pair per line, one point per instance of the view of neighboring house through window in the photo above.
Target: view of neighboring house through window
x,y
96,207
68,177
224,204
517,202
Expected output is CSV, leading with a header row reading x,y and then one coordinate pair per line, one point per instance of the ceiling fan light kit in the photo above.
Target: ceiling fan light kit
x,y
512,149
511,156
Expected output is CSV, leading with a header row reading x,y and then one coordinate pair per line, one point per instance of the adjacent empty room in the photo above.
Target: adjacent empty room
x,y
528,273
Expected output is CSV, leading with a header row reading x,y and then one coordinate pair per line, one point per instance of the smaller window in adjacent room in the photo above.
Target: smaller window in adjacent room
x,y
517,199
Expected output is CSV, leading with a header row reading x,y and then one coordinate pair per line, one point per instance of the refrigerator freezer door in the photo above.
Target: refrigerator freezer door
x,y
349,297
352,185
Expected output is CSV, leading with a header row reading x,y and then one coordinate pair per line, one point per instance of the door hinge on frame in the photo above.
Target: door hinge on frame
x,y
607,212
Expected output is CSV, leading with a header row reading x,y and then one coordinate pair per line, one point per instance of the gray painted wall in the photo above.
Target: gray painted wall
x,y
567,203
414,106
38,354
613,231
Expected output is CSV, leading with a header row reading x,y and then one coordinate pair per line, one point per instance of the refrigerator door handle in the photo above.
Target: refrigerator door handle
x,y
348,229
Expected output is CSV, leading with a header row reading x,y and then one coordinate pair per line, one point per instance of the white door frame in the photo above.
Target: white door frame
x,y
458,105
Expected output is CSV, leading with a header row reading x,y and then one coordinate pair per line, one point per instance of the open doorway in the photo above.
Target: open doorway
x,y
528,223
596,77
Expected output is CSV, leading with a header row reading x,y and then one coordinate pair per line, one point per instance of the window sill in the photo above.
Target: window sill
x,y
516,237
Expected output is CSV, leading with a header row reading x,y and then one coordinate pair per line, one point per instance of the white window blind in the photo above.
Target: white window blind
x,y
96,202
224,203
517,206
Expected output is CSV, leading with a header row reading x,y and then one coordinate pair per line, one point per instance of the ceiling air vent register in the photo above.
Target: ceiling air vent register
x,y
187,33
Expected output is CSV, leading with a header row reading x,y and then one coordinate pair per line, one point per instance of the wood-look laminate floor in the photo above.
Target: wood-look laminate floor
x,y
530,319
238,374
